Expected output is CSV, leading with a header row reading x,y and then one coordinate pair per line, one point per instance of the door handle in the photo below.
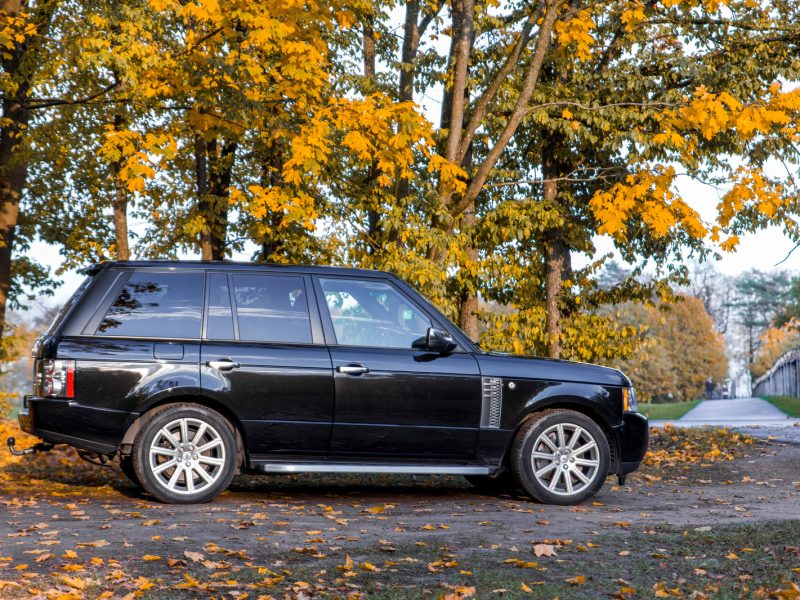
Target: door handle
x,y
223,364
353,369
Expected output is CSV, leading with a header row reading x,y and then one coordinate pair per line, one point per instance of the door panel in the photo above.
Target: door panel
x,y
264,365
283,394
410,403
392,400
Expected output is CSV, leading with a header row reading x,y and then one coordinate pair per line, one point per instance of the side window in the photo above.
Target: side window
x,y
272,308
157,305
220,314
372,313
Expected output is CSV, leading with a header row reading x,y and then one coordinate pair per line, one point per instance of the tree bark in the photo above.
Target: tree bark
x,y
271,176
409,51
558,266
373,215
213,171
468,301
463,20
558,262
121,221
13,168
412,31
120,206
517,114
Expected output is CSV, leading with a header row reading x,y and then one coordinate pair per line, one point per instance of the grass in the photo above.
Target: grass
x,y
669,411
788,404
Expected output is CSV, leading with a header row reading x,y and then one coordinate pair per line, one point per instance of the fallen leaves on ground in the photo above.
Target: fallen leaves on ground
x,y
679,446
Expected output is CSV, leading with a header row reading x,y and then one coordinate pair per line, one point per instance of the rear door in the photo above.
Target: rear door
x,y
263,354
142,341
391,399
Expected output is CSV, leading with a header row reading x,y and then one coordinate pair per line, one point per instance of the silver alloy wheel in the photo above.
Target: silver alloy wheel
x,y
565,459
187,456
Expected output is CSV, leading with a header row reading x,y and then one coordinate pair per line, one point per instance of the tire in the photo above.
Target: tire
x,y
126,466
501,484
578,476
176,427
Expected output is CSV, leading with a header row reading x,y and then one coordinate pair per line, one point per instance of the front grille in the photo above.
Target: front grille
x,y
492,402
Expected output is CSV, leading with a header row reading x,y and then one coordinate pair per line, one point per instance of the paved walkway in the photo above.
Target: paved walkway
x,y
740,412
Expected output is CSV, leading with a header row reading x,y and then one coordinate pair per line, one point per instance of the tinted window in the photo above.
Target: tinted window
x,y
372,313
158,305
65,309
272,308
220,315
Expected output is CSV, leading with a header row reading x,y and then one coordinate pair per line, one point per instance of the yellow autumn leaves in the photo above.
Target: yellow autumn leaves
x,y
683,131
650,193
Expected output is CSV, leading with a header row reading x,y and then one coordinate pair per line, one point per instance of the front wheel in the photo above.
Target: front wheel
x,y
126,466
185,454
560,457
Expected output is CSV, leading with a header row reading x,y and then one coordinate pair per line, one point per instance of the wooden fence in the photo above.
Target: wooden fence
x,y
783,379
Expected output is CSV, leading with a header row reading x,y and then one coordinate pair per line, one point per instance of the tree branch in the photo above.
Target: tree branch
x,y
482,105
520,108
460,76
50,102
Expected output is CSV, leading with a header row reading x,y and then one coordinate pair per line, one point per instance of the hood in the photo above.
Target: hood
x,y
498,364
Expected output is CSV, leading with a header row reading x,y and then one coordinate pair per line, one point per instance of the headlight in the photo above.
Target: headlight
x,y
629,401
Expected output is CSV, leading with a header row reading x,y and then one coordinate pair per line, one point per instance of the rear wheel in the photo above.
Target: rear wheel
x,y
560,457
185,454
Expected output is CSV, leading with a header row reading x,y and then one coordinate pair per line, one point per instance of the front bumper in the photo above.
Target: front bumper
x,y
60,421
632,440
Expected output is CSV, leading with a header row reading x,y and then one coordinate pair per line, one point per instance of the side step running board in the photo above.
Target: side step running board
x,y
274,467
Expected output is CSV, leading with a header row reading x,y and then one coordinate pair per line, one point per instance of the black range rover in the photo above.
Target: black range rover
x,y
186,372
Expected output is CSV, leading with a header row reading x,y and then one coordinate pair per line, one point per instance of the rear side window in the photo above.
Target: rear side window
x,y
69,304
157,305
272,308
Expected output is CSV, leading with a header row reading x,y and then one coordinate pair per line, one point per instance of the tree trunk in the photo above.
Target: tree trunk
x,y
468,302
558,266
373,214
120,206
558,263
13,168
13,176
213,172
201,180
121,221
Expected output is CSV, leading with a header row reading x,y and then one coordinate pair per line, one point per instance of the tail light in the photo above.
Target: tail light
x,y
59,378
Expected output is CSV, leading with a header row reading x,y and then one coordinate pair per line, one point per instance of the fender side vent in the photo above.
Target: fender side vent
x,y
492,402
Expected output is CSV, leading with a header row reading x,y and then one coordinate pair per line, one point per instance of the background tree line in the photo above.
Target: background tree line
x,y
473,148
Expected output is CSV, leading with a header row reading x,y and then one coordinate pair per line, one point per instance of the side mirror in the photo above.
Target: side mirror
x,y
435,340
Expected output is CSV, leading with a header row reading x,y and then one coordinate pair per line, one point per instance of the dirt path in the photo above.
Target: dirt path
x,y
307,524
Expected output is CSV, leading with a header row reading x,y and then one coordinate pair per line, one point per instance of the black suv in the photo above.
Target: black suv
x,y
186,372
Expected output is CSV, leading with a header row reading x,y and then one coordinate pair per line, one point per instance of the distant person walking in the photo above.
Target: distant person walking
x,y
709,388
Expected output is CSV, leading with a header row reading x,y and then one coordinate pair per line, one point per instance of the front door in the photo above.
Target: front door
x,y
393,400
260,357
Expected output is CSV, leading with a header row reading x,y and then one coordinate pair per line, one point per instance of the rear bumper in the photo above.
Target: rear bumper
x,y
632,440
66,422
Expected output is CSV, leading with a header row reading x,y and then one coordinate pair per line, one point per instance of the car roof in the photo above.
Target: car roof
x,y
234,265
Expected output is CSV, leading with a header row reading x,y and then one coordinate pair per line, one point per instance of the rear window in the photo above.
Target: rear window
x,y
272,308
157,305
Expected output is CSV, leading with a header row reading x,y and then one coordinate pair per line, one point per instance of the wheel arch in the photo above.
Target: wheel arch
x,y
577,404
202,400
